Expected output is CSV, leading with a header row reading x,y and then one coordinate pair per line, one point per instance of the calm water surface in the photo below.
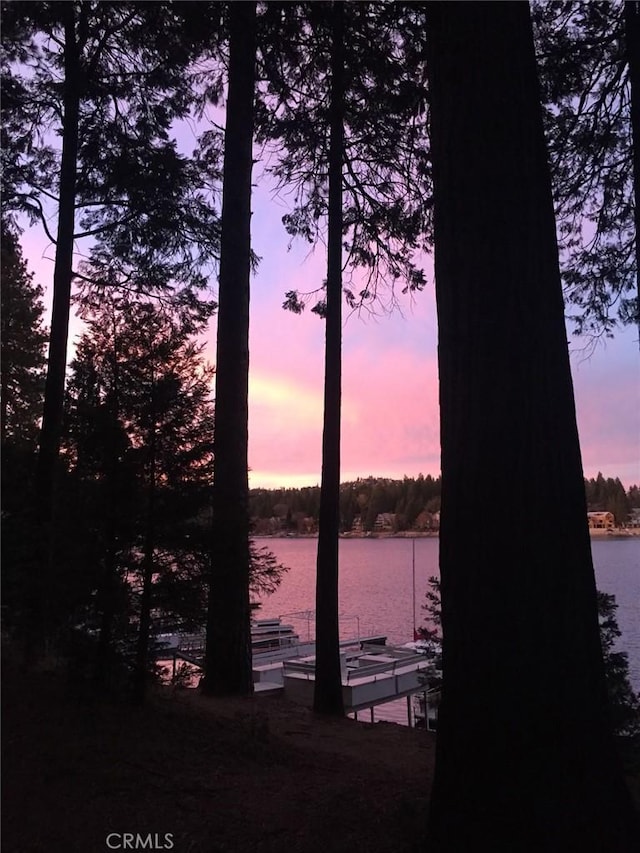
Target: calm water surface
x,y
376,586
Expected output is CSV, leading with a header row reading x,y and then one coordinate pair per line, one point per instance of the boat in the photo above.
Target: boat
x,y
270,634
267,635
272,642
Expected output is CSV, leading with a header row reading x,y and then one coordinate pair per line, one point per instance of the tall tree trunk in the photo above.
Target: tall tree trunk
x,y
327,698
632,36
140,677
228,651
50,433
109,582
525,759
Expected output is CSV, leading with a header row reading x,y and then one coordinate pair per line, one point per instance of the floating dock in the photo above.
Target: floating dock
x,y
373,673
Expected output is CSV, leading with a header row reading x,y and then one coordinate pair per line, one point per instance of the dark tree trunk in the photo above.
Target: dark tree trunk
x,y
144,628
525,759
327,697
228,652
108,588
109,583
632,36
50,433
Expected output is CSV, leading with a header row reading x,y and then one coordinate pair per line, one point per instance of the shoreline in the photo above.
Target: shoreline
x,y
407,535
617,534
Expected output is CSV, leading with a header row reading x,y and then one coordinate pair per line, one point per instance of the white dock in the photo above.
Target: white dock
x,y
373,673
372,676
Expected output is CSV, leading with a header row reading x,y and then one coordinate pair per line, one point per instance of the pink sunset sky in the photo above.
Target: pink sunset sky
x,y
390,378
390,381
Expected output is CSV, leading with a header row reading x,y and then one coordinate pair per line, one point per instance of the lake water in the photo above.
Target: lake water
x,y
376,587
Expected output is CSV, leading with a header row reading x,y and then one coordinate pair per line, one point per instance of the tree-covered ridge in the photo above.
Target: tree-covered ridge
x,y
361,502
413,503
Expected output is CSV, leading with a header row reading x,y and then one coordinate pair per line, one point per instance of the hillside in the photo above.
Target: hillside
x,y
221,776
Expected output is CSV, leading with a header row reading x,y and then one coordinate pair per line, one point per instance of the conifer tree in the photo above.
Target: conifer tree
x,y
327,696
228,654
140,423
139,445
588,60
22,343
22,371
109,80
623,700
323,105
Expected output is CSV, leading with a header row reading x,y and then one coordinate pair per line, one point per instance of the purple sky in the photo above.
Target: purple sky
x,y
390,388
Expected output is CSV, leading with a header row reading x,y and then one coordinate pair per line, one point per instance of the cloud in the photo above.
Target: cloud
x,y
390,424
282,404
397,396
389,404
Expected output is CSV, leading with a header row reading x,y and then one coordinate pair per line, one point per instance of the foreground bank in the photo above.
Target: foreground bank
x,y
220,776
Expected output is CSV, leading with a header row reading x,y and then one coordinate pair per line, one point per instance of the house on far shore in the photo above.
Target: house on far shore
x,y
385,521
601,520
634,517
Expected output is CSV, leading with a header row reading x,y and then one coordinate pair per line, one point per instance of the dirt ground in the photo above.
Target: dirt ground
x,y
219,776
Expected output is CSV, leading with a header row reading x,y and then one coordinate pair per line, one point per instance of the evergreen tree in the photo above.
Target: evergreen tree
x,y
22,345
108,80
228,653
97,448
139,445
365,182
140,384
386,173
22,361
632,55
588,58
624,703
327,695
525,758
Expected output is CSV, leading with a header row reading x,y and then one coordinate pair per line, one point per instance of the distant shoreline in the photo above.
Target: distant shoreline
x,y
412,535
617,533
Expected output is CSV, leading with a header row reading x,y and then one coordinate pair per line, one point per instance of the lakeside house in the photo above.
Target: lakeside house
x,y
634,518
601,520
385,522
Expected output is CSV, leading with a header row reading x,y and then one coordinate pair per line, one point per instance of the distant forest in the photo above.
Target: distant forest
x,y
412,503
